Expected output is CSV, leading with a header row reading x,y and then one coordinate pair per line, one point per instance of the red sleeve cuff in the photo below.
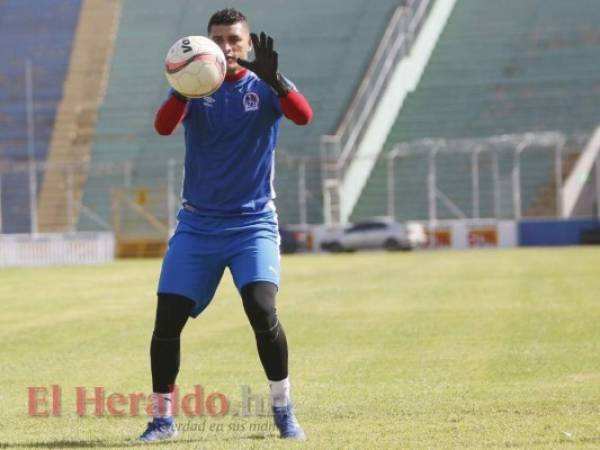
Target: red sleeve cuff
x,y
168,116
296,108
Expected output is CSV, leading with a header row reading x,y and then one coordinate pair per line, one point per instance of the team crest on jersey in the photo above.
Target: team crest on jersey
x,y
250,101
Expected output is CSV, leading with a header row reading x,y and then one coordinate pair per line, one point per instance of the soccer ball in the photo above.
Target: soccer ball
x,y
195,66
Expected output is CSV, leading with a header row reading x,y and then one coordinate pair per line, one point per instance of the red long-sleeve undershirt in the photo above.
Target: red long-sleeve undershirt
x,y
168,116
294,106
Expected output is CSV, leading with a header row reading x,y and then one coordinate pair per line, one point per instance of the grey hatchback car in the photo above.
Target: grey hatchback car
x,y
378,233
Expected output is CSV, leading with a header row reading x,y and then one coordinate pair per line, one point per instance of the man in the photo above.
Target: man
x,y
227,217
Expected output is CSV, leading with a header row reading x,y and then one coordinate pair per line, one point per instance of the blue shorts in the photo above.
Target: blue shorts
x,y
202,247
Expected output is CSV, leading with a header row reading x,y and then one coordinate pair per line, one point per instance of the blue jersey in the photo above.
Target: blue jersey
x,y
230,140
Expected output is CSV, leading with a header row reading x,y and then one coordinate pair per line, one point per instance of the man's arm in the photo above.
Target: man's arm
x,y
170,114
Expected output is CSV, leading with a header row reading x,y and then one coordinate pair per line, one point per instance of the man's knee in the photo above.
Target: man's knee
x,y
259,304
172,312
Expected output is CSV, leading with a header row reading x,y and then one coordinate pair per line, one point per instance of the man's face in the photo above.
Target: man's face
x,y
235,42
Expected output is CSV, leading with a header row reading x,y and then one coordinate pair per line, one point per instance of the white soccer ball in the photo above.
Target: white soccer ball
x,y
195,66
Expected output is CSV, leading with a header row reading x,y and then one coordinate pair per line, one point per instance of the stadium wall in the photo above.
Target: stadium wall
x,y
556,232
489,233
463,234
56,249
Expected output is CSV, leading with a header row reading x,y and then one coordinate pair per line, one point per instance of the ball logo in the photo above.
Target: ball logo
x,y
195,66
250,101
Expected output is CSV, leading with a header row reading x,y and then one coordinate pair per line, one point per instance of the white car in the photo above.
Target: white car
x,y
383,233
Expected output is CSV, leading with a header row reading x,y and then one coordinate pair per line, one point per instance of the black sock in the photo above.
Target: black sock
x,y
164,362
172,312
273,353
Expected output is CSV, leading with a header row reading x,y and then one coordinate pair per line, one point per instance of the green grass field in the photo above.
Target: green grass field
x,y
480,349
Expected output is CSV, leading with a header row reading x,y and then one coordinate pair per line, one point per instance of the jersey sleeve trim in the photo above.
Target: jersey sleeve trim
x,y
296,108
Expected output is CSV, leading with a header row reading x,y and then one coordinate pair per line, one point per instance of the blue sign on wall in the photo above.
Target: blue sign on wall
x,y
554,232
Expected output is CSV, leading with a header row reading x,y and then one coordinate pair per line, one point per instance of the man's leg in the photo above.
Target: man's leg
x,y
190,274
254,262
172,312
259,304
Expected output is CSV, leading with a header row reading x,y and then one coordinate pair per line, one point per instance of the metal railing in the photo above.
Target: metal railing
x,y
396,42
497,161
498,177
115,195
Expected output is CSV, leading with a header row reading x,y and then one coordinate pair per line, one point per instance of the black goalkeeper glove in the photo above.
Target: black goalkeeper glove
x,y
265,64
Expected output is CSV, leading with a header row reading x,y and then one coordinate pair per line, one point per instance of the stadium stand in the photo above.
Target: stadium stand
x,y
69,149
324,46
41,31
500,67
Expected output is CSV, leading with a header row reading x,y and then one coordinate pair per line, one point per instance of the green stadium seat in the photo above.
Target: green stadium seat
x,y
500,67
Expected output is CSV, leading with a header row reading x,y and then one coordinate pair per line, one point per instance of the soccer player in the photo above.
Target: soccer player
x,y
227,218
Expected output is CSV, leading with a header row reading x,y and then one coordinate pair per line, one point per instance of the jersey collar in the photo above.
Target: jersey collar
x,y
236,76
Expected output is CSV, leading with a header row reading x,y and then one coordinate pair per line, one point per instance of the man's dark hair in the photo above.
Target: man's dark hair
x,y
227,16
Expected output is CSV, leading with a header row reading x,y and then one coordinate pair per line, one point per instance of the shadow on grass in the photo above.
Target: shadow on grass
x,y
56,444
96,443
